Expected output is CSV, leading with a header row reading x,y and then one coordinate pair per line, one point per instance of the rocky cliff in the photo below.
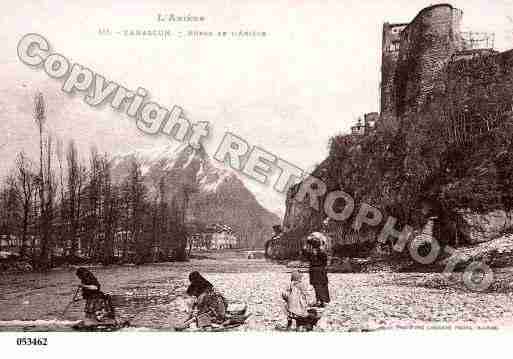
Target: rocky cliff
x,y
443,146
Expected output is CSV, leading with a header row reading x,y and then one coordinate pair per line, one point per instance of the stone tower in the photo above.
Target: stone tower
x,y
427,45
413,57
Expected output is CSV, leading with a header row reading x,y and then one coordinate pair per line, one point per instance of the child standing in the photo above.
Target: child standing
x,y
296,304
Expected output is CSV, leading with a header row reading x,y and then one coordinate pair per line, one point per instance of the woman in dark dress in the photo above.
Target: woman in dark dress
x,y
210,305
318,274
98,306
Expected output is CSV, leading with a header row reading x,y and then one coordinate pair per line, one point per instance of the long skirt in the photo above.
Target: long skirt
x,y
99,307
212,308
322,293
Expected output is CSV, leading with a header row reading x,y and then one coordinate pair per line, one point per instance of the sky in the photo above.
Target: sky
x,y
313,74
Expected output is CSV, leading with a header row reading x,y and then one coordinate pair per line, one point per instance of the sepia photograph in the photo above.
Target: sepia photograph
x,y
255,167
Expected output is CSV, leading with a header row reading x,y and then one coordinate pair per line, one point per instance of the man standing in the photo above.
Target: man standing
x,y
318,274
271,246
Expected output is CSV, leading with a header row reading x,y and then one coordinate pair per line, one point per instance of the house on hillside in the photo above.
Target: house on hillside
x,y
214,236
368,124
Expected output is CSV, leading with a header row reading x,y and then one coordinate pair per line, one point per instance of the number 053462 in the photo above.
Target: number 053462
x,y
32,341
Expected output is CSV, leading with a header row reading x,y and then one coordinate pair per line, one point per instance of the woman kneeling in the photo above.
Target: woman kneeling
x,y
209,308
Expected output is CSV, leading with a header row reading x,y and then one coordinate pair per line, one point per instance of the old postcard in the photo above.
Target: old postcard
x,y
248,166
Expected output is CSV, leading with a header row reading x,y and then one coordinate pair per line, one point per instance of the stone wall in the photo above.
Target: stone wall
x,y
479,92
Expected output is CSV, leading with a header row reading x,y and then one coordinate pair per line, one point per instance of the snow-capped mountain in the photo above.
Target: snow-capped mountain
x,y
217,194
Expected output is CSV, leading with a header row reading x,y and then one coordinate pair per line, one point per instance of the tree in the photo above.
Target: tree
x,y
9,209
40,118
47,207
179,207
156,219
62,227
134,194
45,183
110,211
93,205
75,182
25,178
177,231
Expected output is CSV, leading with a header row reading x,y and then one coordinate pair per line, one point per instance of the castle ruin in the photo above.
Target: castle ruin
x,y
431,61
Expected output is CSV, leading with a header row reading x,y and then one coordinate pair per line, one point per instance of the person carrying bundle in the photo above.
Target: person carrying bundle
x,y
318,259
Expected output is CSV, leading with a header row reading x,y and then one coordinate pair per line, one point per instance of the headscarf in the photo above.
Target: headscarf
x,y
295,276
198,284
86,277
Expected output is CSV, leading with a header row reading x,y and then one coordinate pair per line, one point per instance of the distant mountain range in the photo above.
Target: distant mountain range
x,y
217,194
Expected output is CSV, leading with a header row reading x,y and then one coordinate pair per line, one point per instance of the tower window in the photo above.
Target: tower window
x,y
394,46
